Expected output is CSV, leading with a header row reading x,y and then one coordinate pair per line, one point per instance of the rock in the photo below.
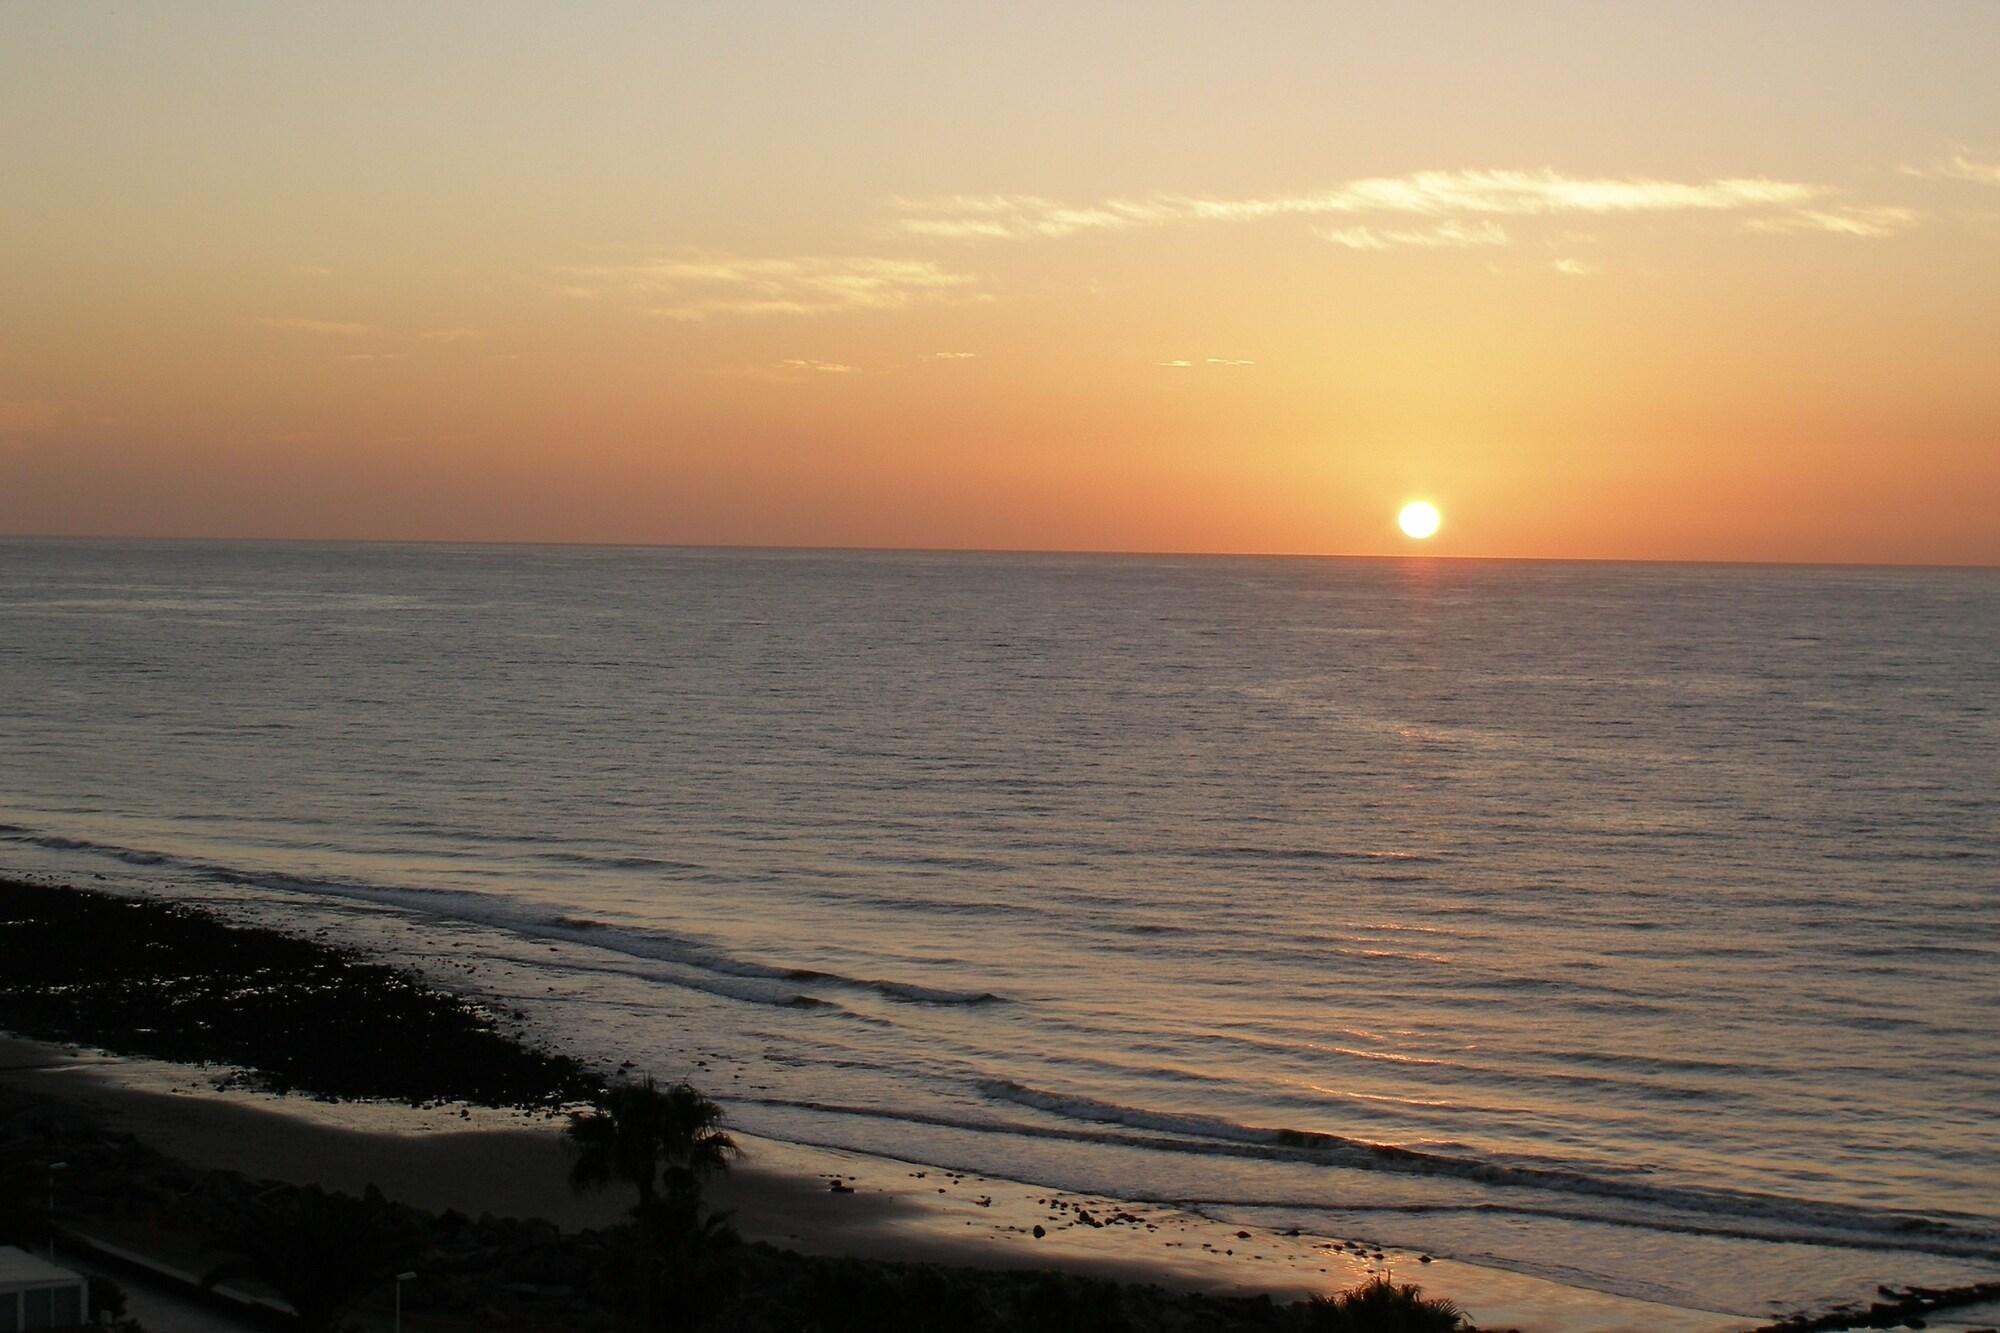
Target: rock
x,y
1040,1231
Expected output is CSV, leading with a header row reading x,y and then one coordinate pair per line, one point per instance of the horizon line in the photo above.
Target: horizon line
x,y
998,551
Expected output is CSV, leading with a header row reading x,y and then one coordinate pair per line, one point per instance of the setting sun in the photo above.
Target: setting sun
x,y
1419,519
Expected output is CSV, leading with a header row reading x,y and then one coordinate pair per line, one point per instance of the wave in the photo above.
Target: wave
x,y
56,843
1720,1214
1714,1211
1312,854
660,946
589,861
650,945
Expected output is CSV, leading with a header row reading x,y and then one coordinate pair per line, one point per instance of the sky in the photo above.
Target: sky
x,y
1604,281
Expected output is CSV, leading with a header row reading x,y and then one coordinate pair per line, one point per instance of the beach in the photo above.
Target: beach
x,y
512,1164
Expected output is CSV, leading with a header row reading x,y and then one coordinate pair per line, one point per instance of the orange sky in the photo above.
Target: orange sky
x,y
1601,280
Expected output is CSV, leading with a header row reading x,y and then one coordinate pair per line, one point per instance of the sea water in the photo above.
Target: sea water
x,y
1633,925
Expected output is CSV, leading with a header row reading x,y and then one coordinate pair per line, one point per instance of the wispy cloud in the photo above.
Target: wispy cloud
x,y
1006,216
1441,194
1960,167
1518,194
953,356
697,285
1577,268
818,367
1227,361
1841,221
323,328
1176,365
1451,235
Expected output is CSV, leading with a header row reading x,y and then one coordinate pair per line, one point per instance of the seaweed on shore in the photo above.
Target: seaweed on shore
x,y
1898,1309
163,980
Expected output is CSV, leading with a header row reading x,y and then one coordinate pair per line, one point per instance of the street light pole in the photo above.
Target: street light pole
x,y
53,1168
401,1278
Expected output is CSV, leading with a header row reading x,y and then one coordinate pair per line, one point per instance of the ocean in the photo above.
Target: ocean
x,y
1630,925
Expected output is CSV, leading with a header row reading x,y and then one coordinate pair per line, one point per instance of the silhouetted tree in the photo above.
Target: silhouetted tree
x,y
1380,1306
652,1138
678,1263
319,1252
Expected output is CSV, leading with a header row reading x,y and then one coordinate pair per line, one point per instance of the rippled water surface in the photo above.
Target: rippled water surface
x,y
1630,924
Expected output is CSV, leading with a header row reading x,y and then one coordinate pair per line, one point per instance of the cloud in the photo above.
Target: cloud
x,y
1444,235
1846,220
1227,361
1516,194
1176,365
1577,268
958,229
818,367
323,328
1441,194
453,335
700,284
953,356
1004,216
1960,167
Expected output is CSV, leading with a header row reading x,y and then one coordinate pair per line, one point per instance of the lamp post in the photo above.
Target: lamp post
x,y
401,1278
53,1168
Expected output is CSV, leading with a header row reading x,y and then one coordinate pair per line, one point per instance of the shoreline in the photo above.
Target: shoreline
x,y
438,1154
510,1164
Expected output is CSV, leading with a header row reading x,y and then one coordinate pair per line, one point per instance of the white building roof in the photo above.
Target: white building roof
x,y
19,1270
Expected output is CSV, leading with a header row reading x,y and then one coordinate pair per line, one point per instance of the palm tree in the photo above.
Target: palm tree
x,y
678,1264
650,1137
1380,1306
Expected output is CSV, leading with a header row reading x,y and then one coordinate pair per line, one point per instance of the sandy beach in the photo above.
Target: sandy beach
x,y
479,1160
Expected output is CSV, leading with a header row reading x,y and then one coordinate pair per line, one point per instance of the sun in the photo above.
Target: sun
x,y
1419,519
